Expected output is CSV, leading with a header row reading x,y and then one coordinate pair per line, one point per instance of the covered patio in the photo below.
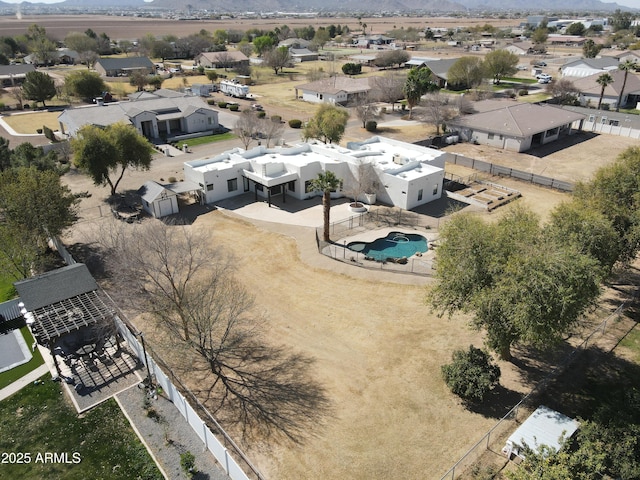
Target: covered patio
x,y
74,321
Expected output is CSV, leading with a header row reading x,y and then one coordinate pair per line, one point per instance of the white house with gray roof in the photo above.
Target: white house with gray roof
x,y
585,67
335,90
516,126
156,117
404,175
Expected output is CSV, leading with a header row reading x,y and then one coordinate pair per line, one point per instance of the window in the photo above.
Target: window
x,y
592,118
259,187
232,184
419,194
209,187
490,136
603,120
435,189
614,123
292,186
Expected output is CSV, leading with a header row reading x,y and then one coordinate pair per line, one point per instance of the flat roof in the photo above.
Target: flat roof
x,y
544,427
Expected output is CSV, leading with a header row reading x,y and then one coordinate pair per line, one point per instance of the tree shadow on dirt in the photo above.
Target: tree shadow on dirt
x,y
497,403
92,256
595,378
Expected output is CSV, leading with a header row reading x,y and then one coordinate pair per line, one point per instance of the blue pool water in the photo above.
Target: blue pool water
x,y
394,245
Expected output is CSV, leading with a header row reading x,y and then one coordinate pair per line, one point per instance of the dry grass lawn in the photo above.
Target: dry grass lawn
x,y
29,122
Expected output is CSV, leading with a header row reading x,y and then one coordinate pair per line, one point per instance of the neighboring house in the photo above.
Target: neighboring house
x,y
418,62
12,75
568,40
405,175
63,55
295,43
633,55
374,41
363,59
515,127
156,117
440,69
225,59
583,67
590,89
302,55
520,48
335,90
123,67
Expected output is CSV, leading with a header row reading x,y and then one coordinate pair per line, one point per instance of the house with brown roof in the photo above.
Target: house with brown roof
x,y
335,90
516,127
224,59
525,47
590,89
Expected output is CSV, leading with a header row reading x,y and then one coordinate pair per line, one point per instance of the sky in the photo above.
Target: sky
x,y
626,3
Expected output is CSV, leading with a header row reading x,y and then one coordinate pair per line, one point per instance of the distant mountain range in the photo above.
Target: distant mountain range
x,y
230,6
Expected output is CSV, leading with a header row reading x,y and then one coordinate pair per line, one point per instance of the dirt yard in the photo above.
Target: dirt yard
x,y
378,348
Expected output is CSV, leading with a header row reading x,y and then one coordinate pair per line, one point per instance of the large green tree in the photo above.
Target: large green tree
x,y
41,46
419,81
85,85
328,124
106,153
326,182
520,287
499,64
34,205
277,58
614,191
466,73
38,87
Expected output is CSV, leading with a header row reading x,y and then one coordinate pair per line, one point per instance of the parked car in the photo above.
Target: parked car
x,y
257,107
540,64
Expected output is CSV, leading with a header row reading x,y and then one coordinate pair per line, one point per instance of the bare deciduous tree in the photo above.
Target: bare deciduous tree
x,y
388,88
270,129
210,318
366,111
247,127
363,180
437,110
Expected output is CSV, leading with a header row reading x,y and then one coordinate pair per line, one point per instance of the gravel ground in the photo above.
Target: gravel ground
x,y
173,426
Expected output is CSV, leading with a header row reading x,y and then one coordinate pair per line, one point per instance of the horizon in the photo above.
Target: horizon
x,y
625,3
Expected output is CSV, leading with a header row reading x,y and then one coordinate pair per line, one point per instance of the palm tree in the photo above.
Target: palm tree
x,y
625,66
326,182
604,81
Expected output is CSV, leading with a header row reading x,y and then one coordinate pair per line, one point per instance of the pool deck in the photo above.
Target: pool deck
x,y
298,219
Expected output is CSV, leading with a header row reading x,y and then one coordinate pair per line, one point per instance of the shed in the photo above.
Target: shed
x,y
543,427
158,200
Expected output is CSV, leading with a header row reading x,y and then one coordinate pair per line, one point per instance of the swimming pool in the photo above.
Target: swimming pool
x,y
394,245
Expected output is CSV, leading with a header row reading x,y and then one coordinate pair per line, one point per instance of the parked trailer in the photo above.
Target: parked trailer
x,y
234,89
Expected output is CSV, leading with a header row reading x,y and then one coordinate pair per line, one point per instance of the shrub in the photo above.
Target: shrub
x,y
26,106
39,130
371,126
523,92
172,179
211,101
188,463
276,118
234,108
352,69
49,133
471,375
295,123
222,104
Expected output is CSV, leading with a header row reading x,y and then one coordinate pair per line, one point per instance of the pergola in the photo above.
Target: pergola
x,y
60,302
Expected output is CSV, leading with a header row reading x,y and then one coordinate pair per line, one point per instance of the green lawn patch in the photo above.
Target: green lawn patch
x,y
39,421
192,142
632,342
20,371
7,291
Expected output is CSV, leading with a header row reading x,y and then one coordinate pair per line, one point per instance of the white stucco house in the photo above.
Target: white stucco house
x,y
157,117
403,174
584,67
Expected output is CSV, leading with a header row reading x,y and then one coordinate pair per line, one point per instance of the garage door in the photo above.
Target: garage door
x,y
166,207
